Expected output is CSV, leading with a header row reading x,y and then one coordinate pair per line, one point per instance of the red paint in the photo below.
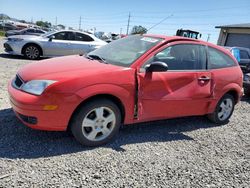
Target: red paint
x,y
161,95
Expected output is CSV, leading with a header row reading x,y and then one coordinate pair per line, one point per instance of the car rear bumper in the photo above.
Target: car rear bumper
x,y
30,109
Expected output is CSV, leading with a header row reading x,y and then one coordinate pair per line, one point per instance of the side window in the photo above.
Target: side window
x,y
64,36
83,37
39,31
244,54
182,57
218,59
30,30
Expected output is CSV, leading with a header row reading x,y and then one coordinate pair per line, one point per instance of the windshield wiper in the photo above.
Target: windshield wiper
x,y
97,57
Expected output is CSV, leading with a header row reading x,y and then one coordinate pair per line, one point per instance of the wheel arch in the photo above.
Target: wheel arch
x,y
32,43
109,97
232,89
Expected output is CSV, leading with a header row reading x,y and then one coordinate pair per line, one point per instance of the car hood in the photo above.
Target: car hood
x,y
63,68
13,31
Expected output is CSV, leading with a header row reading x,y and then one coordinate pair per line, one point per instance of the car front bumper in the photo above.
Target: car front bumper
x,y
14,48
30,109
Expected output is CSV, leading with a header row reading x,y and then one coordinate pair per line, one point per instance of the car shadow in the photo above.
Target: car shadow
x,y
19,141
10,56
245,99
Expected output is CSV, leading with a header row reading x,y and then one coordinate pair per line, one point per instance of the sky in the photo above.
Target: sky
x,y
112,15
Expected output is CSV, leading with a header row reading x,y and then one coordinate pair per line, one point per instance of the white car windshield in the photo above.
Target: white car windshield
x,y
48,33
125,51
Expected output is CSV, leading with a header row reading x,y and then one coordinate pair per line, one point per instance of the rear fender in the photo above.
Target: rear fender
x,y
232,87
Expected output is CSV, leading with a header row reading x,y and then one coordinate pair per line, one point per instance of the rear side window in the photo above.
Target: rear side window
x,y
243,54
82,37
218,59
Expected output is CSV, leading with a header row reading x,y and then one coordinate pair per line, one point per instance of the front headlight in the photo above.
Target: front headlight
x,y
36,87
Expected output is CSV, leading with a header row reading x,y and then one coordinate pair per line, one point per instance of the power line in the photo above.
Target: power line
x,y
160,22
193,11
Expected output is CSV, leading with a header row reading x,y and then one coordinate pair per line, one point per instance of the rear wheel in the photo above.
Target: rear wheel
x,y
223,110
96,123
32,52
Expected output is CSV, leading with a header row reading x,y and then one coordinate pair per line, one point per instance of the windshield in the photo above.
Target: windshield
x,y
48,33
125,51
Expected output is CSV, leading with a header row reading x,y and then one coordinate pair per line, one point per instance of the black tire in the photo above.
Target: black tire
x,y
88,112
215,116
32,52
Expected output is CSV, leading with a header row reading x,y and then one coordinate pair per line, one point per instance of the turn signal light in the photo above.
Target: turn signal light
x,y
50,107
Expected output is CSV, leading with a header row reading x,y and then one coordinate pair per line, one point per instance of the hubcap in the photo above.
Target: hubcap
x,y
98,123
32,52
226,108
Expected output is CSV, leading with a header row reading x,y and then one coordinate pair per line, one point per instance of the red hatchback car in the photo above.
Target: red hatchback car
x,y
135,79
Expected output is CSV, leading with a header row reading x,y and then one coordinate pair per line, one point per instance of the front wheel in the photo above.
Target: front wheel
x,y
32,52
223,110
96,123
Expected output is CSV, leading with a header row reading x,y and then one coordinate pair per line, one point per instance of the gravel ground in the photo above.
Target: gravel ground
x,y
185,152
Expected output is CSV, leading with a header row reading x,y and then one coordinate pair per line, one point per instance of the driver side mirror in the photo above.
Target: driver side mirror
x,y
156,66
51,37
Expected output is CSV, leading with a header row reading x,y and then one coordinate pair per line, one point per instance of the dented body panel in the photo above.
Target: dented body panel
x,y
144,96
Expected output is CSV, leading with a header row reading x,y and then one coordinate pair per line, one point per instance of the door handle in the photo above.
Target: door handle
x,y
204,78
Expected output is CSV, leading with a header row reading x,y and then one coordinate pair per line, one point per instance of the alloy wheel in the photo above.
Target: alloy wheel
x,y
98,123
32,52
225,109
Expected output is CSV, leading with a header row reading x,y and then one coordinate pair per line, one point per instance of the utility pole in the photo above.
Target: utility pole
x,y
31,20
80,23
128,22
120,31
56,21
208,37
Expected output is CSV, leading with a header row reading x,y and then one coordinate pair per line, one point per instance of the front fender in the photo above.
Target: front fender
x,y
124,94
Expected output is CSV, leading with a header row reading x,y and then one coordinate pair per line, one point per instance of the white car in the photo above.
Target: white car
x,y
52,44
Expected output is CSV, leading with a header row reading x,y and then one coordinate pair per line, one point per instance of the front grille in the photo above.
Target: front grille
x,y
7,47
18,82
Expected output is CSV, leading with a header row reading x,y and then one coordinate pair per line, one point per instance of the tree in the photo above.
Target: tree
x,y
138,30
43,24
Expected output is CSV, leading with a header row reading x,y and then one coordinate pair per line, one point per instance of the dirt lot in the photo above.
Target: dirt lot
x,y
186,152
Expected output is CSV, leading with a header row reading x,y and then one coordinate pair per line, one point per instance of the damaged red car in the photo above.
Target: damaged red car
x,y
135,79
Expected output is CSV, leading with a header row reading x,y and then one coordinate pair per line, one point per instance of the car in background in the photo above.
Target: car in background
x,y
55,43
135,79
243,57
27,31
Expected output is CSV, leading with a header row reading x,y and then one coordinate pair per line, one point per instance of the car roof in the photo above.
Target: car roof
x,y
178,38
167,38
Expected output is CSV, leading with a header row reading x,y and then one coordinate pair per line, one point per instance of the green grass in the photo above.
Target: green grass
x,y
2,33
